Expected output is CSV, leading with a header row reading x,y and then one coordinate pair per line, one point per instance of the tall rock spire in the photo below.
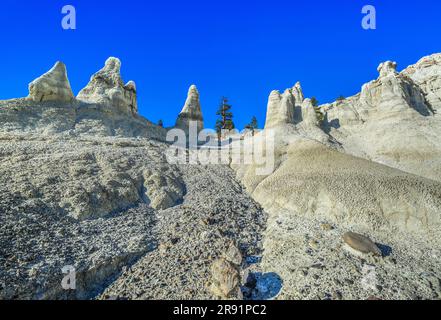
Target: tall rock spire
x,y
297,92
52,86
191,112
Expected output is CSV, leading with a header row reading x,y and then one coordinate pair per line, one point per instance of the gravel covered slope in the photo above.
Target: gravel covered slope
x,y
103,203
215,212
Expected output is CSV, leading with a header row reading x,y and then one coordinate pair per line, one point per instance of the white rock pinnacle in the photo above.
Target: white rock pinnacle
x,y
107,87
191,112
52,86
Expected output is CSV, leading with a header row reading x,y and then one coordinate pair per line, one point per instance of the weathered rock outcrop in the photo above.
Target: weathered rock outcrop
x,y
291,107
309,116
280,109
298,93
106,87
392,120
191,112
393,92
426,74
52,86
387,68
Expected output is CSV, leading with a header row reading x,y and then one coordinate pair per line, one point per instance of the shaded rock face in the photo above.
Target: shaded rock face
x,y
52,86
426,74
309,117
106,87
393,92
191,112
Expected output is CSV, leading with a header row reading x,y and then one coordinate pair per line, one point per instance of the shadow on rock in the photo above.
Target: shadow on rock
x,y
385,250
262,286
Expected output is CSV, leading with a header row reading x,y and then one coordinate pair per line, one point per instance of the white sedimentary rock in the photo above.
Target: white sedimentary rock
x,y
309,116
387,68
107,87
52,86
426,74
393,120
191,112
392,92
297,92
280,109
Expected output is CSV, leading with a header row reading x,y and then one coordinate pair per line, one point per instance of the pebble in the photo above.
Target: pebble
x,y
225,279
234,255
326,227
361,243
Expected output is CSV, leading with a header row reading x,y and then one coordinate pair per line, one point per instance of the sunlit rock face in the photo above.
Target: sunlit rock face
x,y
191,112
52,86
106,87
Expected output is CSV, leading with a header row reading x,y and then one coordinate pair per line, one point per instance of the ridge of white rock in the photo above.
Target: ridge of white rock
x,y
191,112
393,119
106,87
52,86
393,92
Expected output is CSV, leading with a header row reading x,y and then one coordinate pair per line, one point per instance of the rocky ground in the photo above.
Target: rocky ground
x,y
315,263
215,213
114,237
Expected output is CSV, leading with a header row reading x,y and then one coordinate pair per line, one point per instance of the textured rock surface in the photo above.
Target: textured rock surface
x,y
106,87
27,118
225,279
52,86
105,204
192,236
425,73
191,112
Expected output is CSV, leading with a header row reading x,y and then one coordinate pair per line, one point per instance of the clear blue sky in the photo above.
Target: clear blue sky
x,y
240,49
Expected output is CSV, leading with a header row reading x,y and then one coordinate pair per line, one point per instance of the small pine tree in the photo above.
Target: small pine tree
x,y
161,123
252,125
225,122
318,111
